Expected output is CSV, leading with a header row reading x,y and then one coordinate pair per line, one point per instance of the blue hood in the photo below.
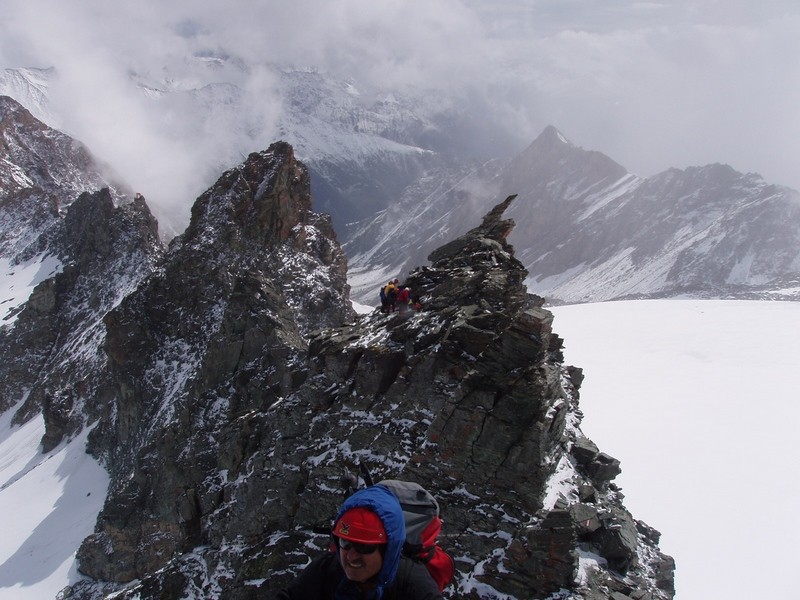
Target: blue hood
x,y
385,504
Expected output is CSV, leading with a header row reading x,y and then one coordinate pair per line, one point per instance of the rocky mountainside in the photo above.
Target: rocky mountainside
x,y
42,171
589,231
227,383
232,425
217,329
68,257
51,356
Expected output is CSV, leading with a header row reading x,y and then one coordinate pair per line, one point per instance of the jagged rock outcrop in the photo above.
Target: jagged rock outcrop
x,y
42,171
51,357
218,332
73,247
233,434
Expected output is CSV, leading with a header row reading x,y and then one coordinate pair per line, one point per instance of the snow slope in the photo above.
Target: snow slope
x,y
699,401
18,280
49,503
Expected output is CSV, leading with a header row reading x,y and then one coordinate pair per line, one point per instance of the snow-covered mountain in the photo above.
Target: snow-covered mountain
x,y
587,230
360,146
363,146
29,87
590,231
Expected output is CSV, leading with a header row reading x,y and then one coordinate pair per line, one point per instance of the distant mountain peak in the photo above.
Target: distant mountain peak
x,y
552,158
552,144
552,136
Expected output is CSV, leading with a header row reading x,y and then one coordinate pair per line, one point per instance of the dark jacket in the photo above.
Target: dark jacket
x,y
321,578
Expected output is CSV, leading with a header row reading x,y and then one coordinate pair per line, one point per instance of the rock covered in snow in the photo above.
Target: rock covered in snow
x,y
71,248
221,476
217,332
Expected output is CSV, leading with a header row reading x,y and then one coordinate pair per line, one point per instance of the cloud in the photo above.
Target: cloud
x,y
659,86
172,146
651,84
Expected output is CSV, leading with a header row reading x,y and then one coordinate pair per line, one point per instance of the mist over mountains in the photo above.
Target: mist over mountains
x,y
401,175
364,146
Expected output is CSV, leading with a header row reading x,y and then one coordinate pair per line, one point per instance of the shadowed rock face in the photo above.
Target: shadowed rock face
x,y
51,356
232,433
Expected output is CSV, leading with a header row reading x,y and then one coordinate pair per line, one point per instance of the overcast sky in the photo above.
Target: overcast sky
x,y
651,84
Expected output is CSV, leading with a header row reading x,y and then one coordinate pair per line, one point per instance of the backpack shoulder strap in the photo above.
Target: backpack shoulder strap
x,y
402,580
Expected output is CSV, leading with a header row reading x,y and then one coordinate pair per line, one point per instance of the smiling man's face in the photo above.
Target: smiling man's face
x,y
360,567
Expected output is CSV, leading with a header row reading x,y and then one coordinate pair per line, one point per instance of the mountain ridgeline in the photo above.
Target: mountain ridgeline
x,y
228,384
587,230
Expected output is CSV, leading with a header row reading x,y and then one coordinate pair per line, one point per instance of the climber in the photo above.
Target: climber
x,y
367,562
402,299
384,302
391,295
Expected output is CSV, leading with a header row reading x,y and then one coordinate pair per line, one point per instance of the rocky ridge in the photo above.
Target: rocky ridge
x,y
218,483
227,383
122,331
219,330
52,359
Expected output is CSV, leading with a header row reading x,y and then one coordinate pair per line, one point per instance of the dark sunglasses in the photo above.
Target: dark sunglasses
x,y
360,548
